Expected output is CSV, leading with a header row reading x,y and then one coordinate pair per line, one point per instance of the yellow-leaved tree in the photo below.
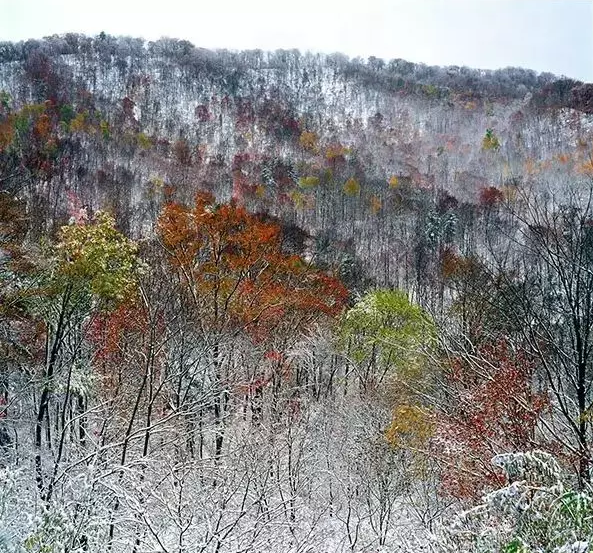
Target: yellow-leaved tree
x,y
389,340
93,268
98,259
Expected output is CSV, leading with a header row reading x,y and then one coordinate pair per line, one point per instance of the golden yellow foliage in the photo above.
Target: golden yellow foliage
x,y
411,426
302,201
490,141
308,141
79,123
393,182
104,128
98,255
375,204
309,182
335,151
297,199
144,141
351,187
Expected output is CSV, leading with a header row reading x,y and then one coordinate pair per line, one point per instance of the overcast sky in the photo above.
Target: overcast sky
x,y
545,35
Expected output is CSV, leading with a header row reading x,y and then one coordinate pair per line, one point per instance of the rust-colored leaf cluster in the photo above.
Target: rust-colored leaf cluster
x,y
490,197
232,265
494,409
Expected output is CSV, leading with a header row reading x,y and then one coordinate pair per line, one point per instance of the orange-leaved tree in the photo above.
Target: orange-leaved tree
x,y
232,268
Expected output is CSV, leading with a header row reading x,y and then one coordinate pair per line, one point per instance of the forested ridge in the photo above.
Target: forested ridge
x,y
291,302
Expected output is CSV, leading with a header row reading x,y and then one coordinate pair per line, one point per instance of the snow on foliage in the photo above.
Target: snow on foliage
x,y
538,511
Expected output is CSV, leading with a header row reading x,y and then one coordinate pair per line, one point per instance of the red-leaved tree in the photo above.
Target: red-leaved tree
x,y
492,408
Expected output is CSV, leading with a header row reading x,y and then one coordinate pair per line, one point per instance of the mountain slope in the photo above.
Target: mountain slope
x,y
342,148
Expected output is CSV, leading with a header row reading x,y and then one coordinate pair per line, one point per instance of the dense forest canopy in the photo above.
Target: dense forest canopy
x,y
291,302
